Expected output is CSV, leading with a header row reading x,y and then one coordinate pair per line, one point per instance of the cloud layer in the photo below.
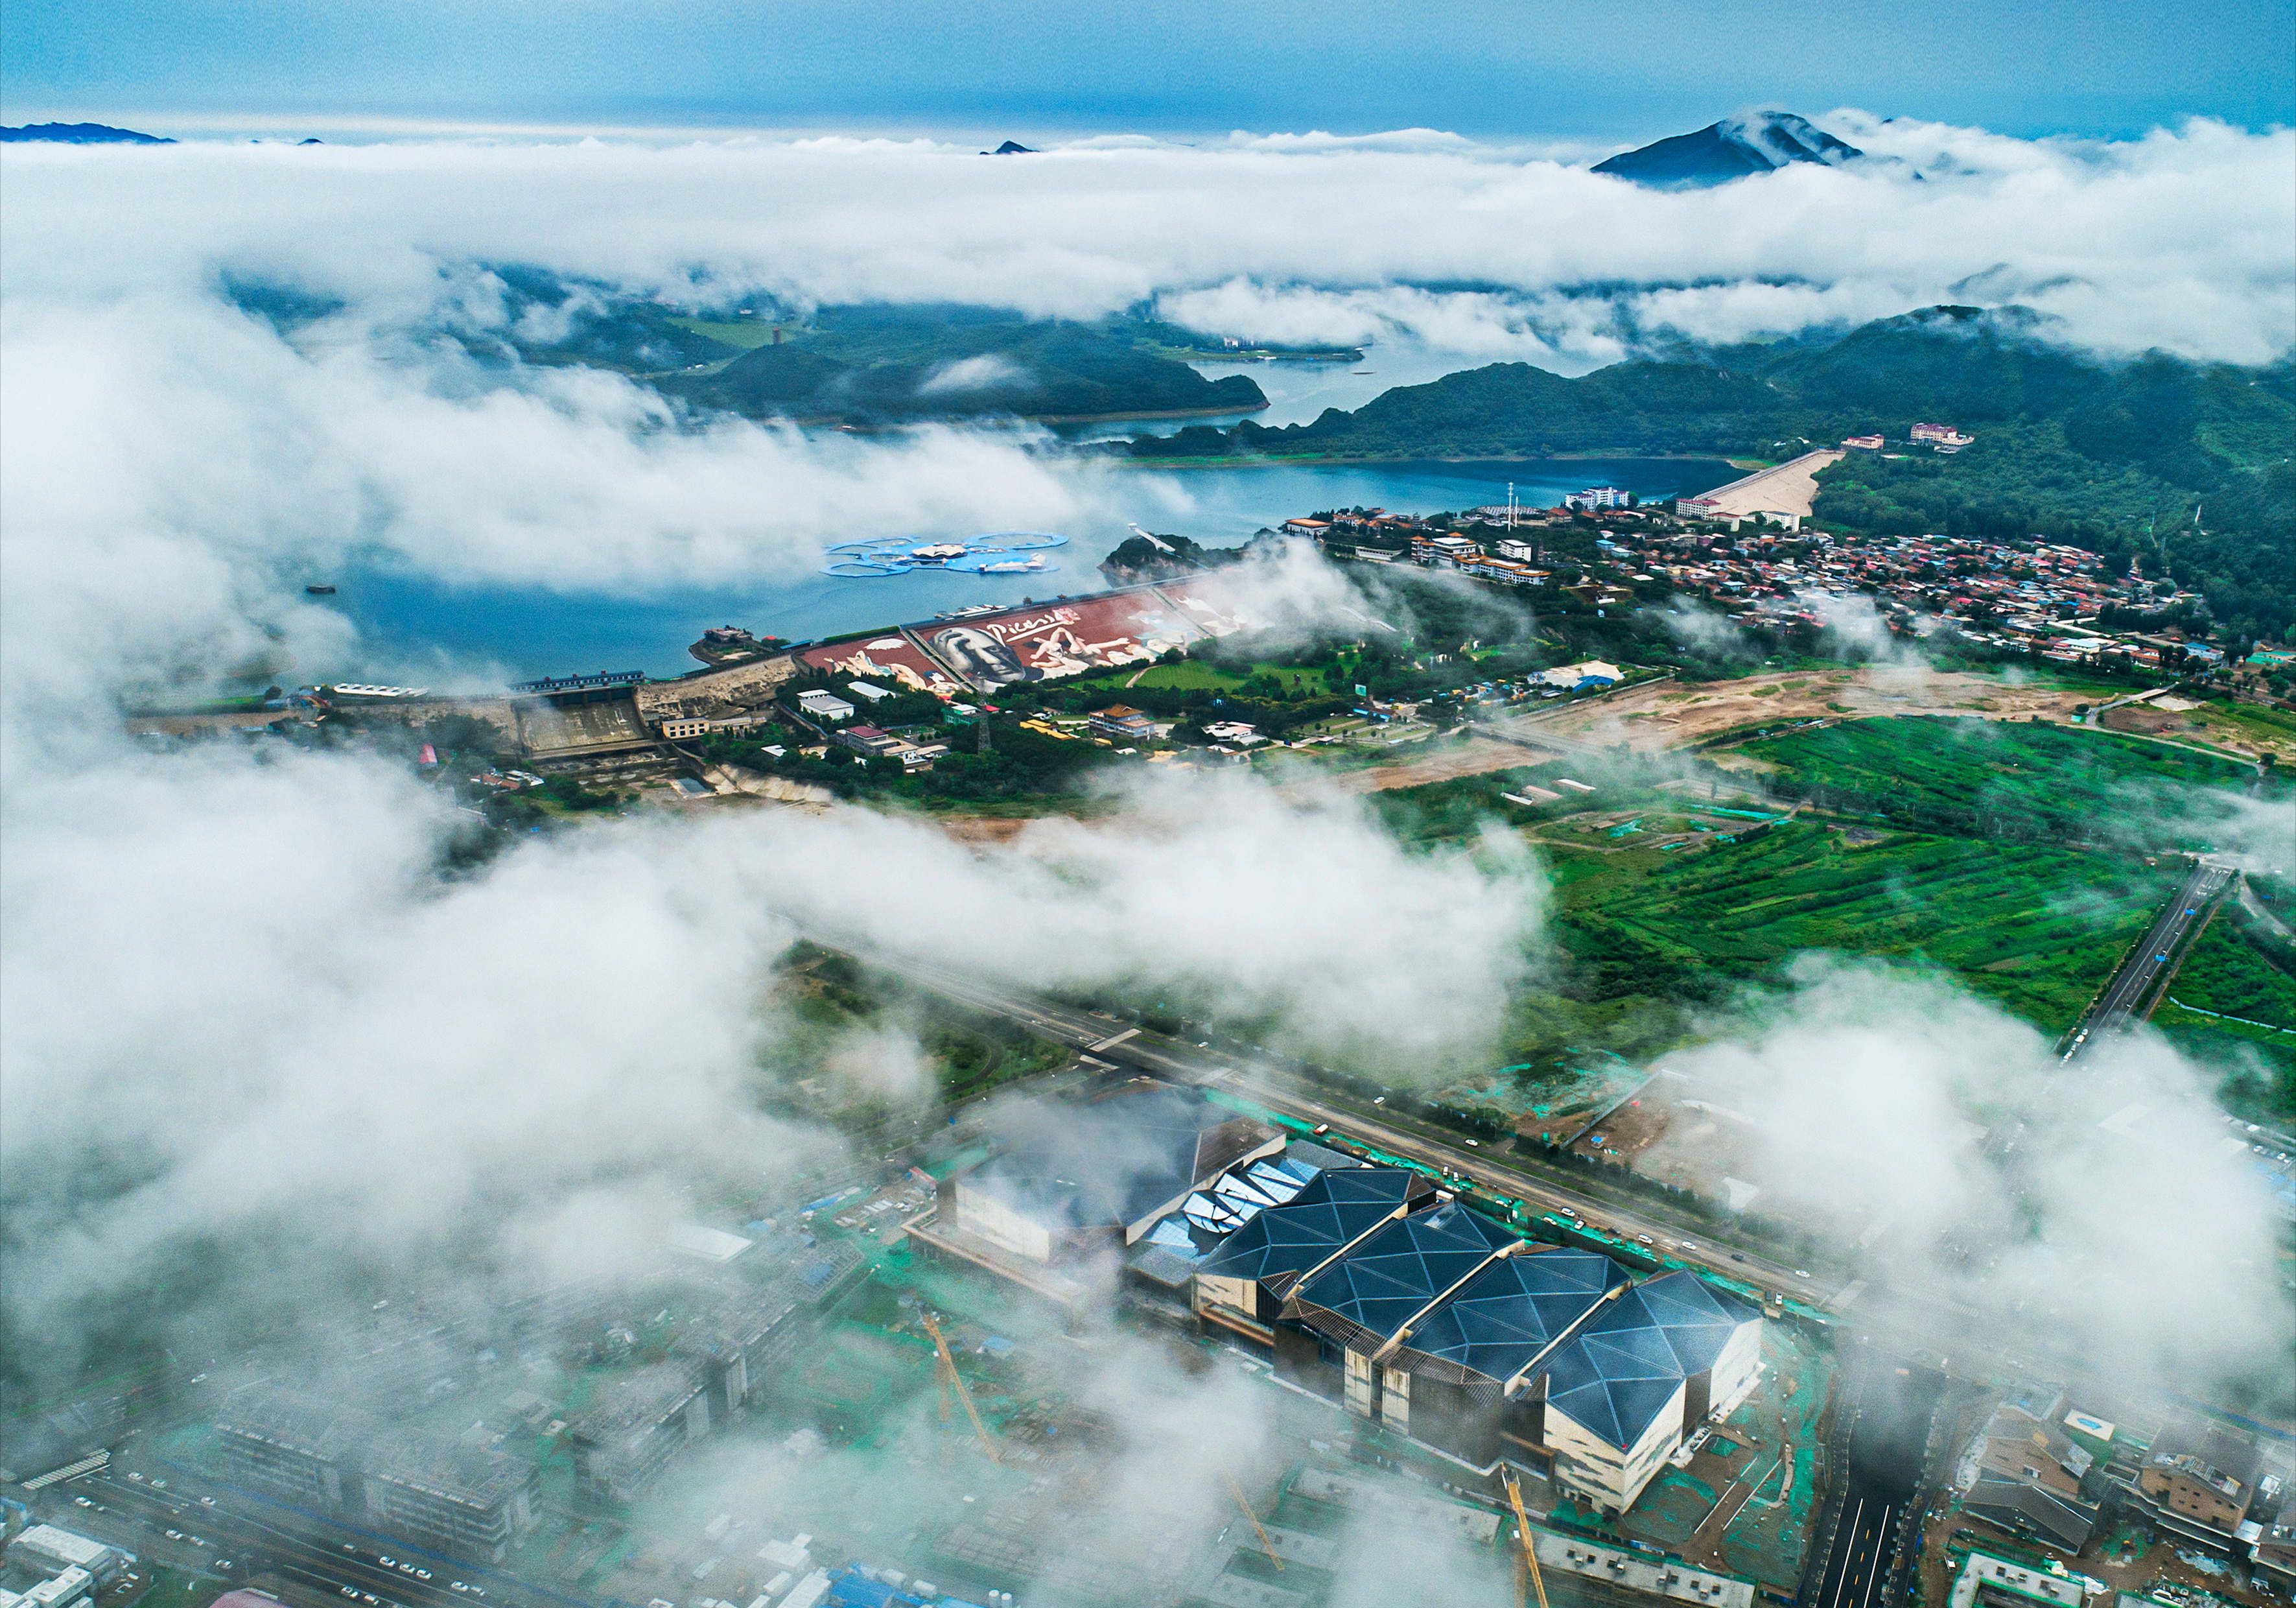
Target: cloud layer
x,y
2177,240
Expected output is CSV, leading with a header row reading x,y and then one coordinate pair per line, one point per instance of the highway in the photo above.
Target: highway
x,y
1258,1079
136,1514
2136,985
1922,1321
1893,1403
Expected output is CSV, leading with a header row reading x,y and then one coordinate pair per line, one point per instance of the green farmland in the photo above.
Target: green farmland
x,y
1986,777
2036,929
2233,1006
1198,675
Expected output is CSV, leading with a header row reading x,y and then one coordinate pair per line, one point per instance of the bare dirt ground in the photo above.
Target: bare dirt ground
x,y
2176,720
202,725
1670,714
986,830
1629,1131
1789,487
1476,757
1693,1145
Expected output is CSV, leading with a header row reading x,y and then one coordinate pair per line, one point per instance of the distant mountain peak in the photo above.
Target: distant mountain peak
x,y
82,134
1012,148
1753,142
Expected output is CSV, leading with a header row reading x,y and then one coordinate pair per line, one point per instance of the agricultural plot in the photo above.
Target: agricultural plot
x,y
2232,1005
1200,675
2034,928
1990,778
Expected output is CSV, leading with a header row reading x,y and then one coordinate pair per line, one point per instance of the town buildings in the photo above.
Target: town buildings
x,y
2032,1478
2041,598
623,1445
49,1567
2197,1483
339,1463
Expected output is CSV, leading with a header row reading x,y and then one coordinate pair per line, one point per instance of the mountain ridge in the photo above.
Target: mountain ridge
x,y
81,133
1734,148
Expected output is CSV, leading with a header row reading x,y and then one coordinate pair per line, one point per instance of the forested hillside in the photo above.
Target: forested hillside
x,y
2117,457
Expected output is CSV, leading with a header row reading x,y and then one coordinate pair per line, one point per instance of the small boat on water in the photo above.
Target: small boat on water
x,y
319,589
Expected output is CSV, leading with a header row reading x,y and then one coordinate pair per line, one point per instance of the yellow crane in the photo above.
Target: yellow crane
x,y
1523,1534
1257,1529
950,1374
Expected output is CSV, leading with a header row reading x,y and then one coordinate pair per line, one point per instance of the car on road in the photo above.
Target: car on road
x,y
1475,1144
1801,1273
1737,1256
350,1591
175,1535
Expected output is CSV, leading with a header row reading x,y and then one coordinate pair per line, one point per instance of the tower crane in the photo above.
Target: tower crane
x,y
952,1377
1257,1529
1523,1534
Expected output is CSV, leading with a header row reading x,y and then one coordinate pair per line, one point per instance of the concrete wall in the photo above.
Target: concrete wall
x,y
983,1215
1734,1370
1591,1466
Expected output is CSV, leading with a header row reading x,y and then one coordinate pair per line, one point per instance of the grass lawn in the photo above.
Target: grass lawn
x,y
748,333
1966,774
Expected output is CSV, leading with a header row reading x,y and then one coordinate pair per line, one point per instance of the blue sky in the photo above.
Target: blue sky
x,y
1590,71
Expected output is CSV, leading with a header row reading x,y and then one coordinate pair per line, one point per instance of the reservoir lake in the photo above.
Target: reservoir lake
x,y
417,627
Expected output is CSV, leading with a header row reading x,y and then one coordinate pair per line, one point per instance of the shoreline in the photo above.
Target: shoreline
x,y
1351,460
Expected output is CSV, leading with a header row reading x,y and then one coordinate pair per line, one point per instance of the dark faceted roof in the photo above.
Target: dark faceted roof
x,y
1503,1317
1696,1318
1379,1285
1611,1385
1336,1206
1618,1373
1116,1158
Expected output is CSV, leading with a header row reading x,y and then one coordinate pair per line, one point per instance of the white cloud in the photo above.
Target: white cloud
x,y
240,992
989,372
1891,1102
2178,239
172,472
